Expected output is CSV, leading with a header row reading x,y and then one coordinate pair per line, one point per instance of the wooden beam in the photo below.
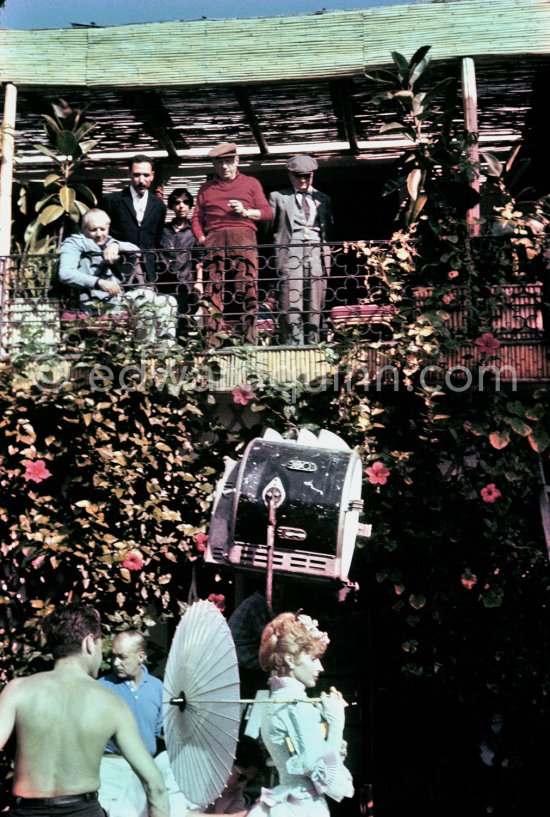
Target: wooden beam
x,y
252,121
148,106
469,102
341,97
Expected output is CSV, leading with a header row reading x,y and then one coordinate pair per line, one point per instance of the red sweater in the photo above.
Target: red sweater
x,y
212,211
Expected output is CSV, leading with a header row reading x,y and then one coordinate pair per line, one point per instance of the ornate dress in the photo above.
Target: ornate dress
x,y
307,755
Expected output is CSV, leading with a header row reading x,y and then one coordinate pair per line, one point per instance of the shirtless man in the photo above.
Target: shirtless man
x,y
63,720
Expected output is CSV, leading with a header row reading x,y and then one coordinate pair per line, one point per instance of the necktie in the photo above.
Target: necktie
x,y
305,206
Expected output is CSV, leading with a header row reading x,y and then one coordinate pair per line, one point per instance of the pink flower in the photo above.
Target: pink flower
x,y
133,560
490,493
378,473
36,470
468,580
448,298
453,274
487,343
200,540
38,561
242,395
218,599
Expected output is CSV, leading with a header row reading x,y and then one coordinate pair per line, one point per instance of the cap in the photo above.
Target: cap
x,y
302,164
223,149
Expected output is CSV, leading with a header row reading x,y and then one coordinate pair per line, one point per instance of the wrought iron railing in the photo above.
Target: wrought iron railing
x,y
297,295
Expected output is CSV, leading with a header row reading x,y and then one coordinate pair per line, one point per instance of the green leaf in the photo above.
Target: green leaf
x,y
539,441
392,126
419,63
494,167
515,407
492,598
437,89
86,147
67,197
66,143
415,208
85,192
535,412
499,439
402,66
31,231
81,207
52,123
47,152
413,182
84,130
40,204
520,427
385,77
419,55
417,600
51,178
50,213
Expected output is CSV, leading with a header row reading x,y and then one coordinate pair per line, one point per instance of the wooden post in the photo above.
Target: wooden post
x,y
6,169
7,153
469,102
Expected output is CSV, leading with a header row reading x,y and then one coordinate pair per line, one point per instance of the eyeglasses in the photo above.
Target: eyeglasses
x,y
301,175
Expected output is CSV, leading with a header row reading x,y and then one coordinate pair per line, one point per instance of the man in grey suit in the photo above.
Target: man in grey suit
x,y
302,224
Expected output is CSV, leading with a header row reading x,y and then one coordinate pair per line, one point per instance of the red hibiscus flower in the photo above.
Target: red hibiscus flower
x,y
378,473
490,493
36,470
218,599
487,343
242,395
200,540
133,560
468,580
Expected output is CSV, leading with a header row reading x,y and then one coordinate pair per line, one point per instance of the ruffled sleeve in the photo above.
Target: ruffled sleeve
x,y
312,756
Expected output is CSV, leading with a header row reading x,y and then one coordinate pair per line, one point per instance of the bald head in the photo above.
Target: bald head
x,y
128,655
95,225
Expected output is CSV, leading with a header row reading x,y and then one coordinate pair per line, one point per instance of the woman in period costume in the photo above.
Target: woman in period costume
x,y
304,739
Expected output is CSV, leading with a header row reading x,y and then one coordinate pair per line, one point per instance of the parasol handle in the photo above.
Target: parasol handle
x,y
274,496
180,701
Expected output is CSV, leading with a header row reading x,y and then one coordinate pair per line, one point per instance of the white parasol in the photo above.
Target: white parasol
x,y
202,710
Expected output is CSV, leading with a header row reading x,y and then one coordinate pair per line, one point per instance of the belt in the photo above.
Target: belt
x,y
62,800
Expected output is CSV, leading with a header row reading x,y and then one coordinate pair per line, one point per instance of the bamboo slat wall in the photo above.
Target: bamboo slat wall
x,y
518,362
334,44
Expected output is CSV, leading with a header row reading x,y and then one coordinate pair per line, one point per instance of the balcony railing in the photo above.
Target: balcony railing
x,y
286,304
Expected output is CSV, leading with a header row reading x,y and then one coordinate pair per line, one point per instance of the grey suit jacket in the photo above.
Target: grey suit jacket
x,y
283,204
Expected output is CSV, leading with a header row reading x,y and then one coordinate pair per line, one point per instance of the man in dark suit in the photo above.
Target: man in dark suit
x,y
302,223
137,214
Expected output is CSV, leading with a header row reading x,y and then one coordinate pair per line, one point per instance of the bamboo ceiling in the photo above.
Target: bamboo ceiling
x,y
273,85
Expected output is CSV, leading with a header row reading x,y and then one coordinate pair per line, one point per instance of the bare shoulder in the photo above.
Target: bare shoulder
x,y
111,701
13,687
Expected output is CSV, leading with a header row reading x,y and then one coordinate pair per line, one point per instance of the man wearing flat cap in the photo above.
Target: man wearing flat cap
x,y
302,223
227,212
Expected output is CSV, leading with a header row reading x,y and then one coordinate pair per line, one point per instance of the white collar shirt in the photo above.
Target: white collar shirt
x,y
140,203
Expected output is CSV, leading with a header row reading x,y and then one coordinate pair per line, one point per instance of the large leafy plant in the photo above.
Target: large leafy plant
x,y
63,201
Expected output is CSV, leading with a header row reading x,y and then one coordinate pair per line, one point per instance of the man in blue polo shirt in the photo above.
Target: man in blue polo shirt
x,y
131,680
121,793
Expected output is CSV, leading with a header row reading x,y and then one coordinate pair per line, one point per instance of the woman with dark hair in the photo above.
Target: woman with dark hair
x,y
304,739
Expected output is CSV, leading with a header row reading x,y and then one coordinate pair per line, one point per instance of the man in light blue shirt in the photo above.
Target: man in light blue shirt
x,y
108,278
142,692
121,793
